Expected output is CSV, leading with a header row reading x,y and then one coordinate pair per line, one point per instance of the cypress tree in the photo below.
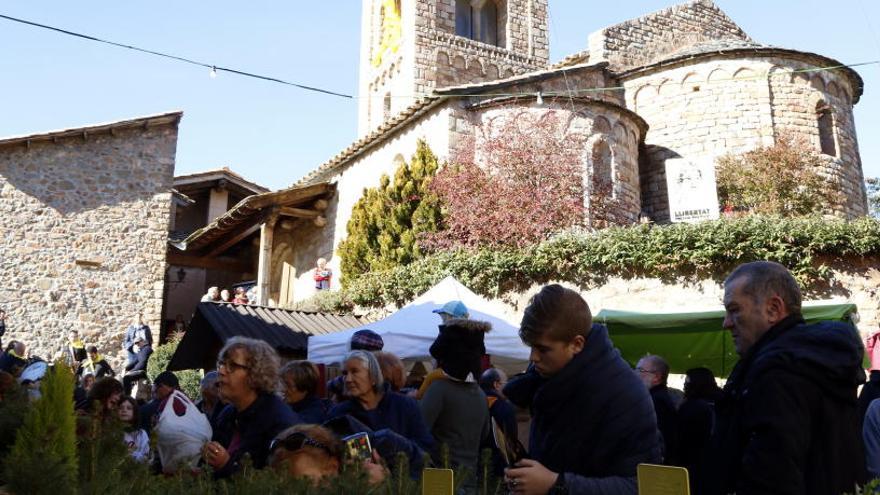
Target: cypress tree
x,y
387,222
43,459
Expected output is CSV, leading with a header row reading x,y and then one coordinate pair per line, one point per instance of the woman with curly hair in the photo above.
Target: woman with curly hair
x,y
248,377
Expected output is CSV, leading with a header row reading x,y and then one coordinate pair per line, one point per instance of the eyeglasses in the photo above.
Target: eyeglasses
x,y
296,441
643,370
231,366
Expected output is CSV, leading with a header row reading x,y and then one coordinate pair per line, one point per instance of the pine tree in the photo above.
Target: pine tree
x,y
388,221
43,459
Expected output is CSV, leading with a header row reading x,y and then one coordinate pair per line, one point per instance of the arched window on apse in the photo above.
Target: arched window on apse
x,y
825,120
602,181
478,20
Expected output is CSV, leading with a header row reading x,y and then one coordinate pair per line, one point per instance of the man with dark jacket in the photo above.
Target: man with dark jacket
x,y
592,420
870,391
653,371
788,421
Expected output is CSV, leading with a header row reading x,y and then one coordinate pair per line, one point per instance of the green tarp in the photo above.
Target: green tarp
x,y
690,340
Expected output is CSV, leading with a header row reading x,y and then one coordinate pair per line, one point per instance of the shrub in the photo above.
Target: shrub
x,y
674,252
388,220
782,179
514,183
325,301
43,459
189,379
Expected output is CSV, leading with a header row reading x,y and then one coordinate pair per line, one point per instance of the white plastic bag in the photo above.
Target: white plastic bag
x,y
181,432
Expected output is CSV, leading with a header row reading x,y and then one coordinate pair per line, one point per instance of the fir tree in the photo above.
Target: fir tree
x,y
43,459
388,221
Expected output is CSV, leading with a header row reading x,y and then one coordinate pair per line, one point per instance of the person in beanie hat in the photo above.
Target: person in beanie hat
x,y
366,340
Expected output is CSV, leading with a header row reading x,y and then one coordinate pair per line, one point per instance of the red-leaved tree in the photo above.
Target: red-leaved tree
x,y
519,179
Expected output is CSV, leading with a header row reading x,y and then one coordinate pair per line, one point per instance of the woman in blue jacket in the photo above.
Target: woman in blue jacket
x,y
370,401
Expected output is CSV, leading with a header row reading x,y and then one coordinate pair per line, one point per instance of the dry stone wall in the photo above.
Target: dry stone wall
x,y
83,230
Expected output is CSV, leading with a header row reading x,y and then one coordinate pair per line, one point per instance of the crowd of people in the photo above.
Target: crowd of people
x,y
788,419
241,296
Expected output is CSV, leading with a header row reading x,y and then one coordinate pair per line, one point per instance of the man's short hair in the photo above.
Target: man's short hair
x,y
490,377
167,378
661,367
93,349
766,278
557,313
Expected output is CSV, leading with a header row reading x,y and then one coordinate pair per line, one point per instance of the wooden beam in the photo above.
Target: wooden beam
x,y
209,263
228,243
288,196
264,267
321,204
299,212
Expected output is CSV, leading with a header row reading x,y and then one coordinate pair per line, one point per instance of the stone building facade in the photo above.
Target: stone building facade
x,y
84,217
410,48
684,85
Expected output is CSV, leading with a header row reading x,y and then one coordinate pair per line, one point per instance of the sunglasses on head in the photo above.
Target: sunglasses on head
x,y
296,441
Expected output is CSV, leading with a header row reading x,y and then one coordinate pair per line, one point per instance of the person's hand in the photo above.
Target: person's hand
x,y
215,455
530,478
376,470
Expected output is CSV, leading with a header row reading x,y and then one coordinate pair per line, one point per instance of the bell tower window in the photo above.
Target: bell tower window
x,y
478,20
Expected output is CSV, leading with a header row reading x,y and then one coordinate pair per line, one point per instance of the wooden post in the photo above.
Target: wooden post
x,y
264,270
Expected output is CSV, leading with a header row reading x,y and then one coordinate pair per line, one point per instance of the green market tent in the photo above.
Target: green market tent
x,y
691,340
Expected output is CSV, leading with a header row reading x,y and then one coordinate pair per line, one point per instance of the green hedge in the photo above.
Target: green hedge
x,y
682,252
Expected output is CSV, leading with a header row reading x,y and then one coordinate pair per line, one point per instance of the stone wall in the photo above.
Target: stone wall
x,y
431,55
795,97
653,37
718,104
83,230
604,128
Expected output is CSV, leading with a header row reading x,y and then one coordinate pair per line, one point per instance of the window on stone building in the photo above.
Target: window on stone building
x,y
602,180
826,129
386,107
478,20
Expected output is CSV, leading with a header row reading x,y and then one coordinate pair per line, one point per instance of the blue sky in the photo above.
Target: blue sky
x,y
274,134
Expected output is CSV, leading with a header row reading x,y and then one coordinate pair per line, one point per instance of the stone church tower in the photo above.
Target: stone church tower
x,y
410,47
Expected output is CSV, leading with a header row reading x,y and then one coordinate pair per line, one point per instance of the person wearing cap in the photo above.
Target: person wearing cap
x,y
455,408
450,311
164,384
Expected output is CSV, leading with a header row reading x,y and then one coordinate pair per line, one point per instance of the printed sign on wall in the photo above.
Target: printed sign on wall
x,y
693,195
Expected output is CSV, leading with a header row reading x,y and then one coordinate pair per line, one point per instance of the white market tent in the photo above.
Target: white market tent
x,y
410,331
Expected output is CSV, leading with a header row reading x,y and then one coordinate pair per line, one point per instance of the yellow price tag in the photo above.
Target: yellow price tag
x,y
437,482
663,480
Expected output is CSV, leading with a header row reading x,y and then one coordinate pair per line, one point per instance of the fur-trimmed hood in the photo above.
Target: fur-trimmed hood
x,y
459,347
469,325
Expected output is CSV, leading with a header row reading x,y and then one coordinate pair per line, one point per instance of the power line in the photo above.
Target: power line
x,y
177,58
